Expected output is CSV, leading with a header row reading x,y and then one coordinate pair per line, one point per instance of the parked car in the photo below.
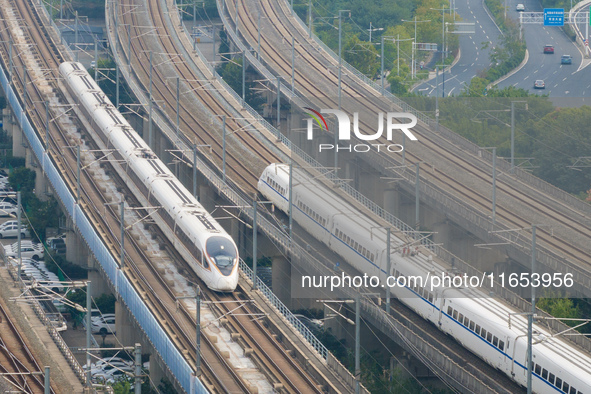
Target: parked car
x,y
103,326
10,229
566,59
57,321
57,245
34,251
7,209
102,317
539,84
549,49
520,7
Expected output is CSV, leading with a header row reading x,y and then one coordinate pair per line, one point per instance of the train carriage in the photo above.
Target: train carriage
x,y
199,238
479,323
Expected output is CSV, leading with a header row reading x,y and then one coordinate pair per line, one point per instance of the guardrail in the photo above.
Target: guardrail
x,y
277,235
453,137
55,335
163,345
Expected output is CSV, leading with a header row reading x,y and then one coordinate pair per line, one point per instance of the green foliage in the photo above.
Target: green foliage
x,y
385,14
478,88
204,9
69,270
77,296
41,214
107,81
105,303
559,307
511,52
22,179
122,386
560,138
89,8
231,72
555,138
362,55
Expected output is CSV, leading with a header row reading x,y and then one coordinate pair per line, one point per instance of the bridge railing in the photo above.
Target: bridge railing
x,y
163,345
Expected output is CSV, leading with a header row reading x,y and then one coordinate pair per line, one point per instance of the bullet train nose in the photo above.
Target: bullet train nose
x,y
227,283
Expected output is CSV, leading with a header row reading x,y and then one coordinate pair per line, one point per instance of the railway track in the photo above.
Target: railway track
x,y
17,358
190,123
218,375
474,173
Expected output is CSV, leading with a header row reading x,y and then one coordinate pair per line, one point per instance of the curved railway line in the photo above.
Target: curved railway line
x,y
15,357
218,375
438,152
190,124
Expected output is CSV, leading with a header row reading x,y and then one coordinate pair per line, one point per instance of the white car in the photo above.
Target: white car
x,y
103,326
520,7
10,229
7,209
104,316
34,251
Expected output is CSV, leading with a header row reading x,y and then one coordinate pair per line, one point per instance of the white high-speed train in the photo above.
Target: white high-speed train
x,y
201,240
478,322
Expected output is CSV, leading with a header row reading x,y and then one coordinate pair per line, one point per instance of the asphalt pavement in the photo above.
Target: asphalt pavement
x,y
561,80
475,51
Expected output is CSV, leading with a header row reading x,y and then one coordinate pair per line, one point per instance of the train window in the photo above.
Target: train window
x,y
477,330
373,257
489,337
501,345
461,318
565,387
456,315
495,341
483,333
430,297
472,325
538,369
551,378
466,322
544,373
449,310
573,390
558,382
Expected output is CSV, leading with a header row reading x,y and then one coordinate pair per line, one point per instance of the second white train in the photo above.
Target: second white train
x,y
478,322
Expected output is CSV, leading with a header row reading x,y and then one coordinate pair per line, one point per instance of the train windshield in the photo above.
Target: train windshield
x,y
223,252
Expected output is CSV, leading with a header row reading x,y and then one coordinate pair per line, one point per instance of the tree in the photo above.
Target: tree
x,y
362,55
559,307
232,74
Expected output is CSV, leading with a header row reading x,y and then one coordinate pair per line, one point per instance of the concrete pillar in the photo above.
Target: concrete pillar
x,y
7,121
156,370
281,279
19,141
443,233
127,331
76,249
99,284
206,197
392,201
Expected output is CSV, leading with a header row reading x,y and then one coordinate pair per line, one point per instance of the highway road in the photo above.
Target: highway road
x,y
562,80
474,58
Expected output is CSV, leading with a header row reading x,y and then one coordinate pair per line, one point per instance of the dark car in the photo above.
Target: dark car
x,y
549,49
566,59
